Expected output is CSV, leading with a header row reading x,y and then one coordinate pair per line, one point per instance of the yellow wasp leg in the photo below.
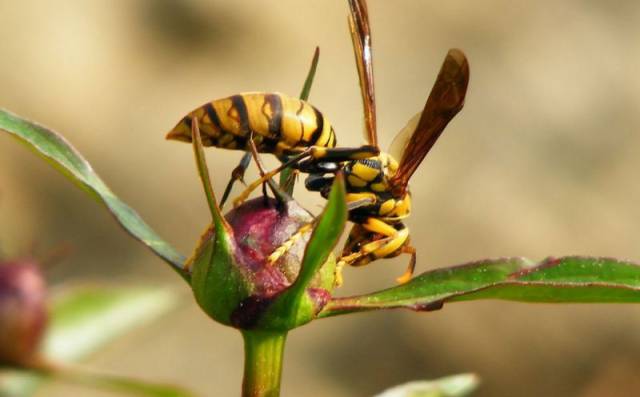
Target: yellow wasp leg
x,y
350,259
256,157
267,176
315,152
242,197
284,247
393,241
411,267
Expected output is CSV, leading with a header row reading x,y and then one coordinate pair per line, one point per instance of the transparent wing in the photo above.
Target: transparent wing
x,y
361,38
402,138
445,101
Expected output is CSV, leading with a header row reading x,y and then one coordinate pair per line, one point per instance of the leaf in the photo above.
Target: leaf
x,y
64,157
17,383
84,319
122,385
572,279
285,182
450,386
25,383
308,82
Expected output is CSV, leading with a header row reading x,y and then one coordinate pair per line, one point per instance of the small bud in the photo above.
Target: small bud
x,y
266,244
23,315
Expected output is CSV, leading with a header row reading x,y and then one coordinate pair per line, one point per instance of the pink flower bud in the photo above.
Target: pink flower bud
x,y
267,244
23,315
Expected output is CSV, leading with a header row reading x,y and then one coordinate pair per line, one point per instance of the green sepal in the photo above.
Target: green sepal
x,y
218,285
296,306
286,183
311,74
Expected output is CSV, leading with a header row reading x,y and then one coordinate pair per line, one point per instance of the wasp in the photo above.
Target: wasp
x,y
377,183
297,133
381,183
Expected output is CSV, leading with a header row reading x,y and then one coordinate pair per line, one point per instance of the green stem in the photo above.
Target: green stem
x,y
263,353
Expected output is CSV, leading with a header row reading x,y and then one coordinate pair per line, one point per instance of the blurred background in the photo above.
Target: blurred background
x,y
542,161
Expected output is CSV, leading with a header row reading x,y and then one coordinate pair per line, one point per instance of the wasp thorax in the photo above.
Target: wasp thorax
x,y
262,255
23,315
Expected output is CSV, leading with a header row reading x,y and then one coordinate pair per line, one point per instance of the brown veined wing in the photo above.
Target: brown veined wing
x,y
401,140
361,38
444,102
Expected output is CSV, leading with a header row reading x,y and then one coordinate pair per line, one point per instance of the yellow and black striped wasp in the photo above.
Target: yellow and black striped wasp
x,y
301,137
290,128
381,182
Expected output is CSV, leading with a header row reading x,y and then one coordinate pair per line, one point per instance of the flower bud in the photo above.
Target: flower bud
x,y
238,276
23,315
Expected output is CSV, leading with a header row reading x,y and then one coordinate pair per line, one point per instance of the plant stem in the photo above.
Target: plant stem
x,y
263,353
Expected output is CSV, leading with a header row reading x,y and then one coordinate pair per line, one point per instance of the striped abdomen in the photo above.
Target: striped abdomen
x,y
280,124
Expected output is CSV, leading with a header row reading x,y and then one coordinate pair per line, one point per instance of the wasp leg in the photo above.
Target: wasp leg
x,y
312,155
325,160
407,249
280,195
391,244
236,175
318,182
344,153
284,247
359,258
267,176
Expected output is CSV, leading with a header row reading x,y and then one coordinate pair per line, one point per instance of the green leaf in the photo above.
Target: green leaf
x,y
122,385
308,82
294,307
59,153
450,386
17,387
571,279
286,183
84,319
18,383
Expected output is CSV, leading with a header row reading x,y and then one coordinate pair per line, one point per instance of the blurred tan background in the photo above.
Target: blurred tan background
x,y
542,161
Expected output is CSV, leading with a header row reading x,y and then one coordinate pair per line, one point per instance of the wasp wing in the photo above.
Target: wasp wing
x,y
361,38
444,102
401,140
